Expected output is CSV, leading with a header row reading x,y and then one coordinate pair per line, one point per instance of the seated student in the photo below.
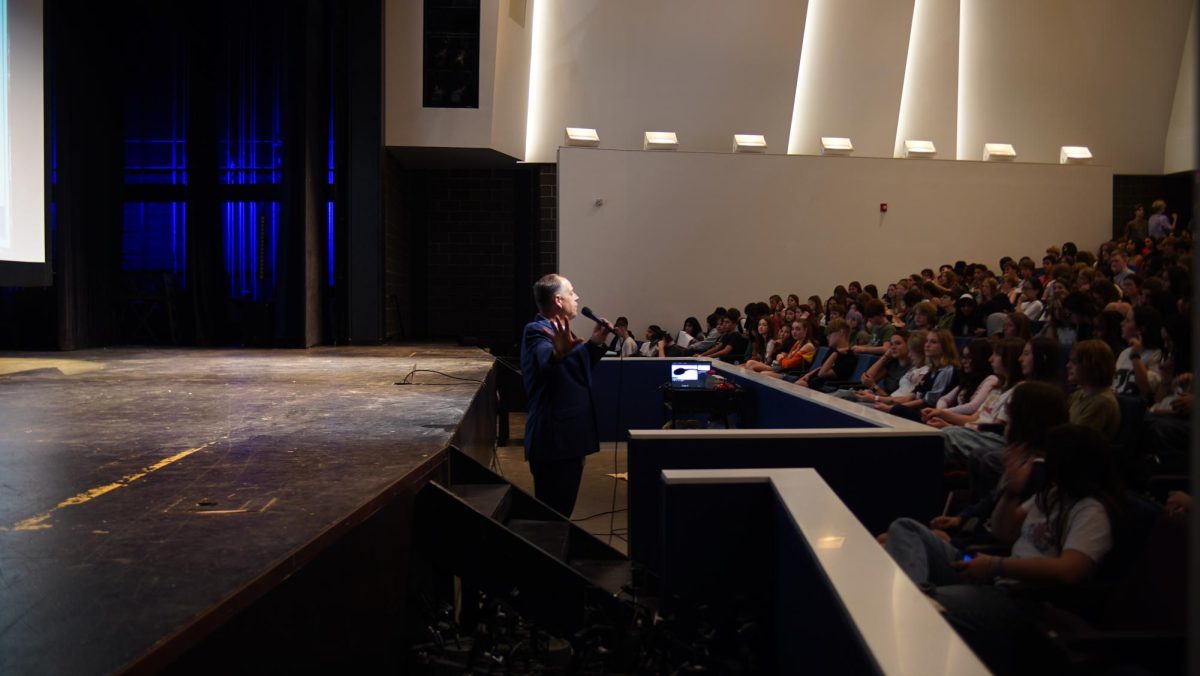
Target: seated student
x,y
912,298
620,341
1070,319
780,343
1058,537
947,310
854,318
649,346
839,364
797,357
942,358
983,429
1131,289
1167,428
736,316
974,386
690,332
1010,288
1138,371
993,300
1030,303
904,363
834,310
924,317
1040,361
1167,425
1017,325
968,320
1091,367
665,346
709,339
1033,409
731,345
879,328
758,340
1107,327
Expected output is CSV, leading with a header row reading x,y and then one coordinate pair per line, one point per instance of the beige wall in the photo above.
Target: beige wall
x,y
1180,151
679,233
929,103
843,88
1099,73
705,69
499,121
1037,74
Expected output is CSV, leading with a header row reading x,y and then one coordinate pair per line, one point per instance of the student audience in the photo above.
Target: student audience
x,y
1052,358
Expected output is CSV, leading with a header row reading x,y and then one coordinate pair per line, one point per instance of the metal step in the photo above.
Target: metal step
x,y
549,536
487,499
608,574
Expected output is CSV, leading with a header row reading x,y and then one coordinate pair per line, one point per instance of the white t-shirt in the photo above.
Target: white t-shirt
x,y
1088,532
1032,309
1124,381
994,409
910,380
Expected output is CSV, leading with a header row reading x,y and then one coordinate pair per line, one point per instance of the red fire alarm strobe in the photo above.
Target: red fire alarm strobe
x,y
883,207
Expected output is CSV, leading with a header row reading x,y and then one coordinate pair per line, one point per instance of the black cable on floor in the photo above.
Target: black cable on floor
x,y
589,518
408,378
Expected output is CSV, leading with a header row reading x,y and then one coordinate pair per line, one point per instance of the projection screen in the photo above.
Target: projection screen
x,y
23,233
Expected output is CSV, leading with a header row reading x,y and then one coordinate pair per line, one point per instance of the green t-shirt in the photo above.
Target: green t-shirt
x,y
1099,411
880,335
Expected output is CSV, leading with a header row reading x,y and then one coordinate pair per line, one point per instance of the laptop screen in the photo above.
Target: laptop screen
x,y
688,372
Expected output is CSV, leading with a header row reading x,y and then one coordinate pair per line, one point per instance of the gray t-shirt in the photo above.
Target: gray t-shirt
x,y
1088,532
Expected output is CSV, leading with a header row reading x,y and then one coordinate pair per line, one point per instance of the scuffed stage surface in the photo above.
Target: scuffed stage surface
x,y
142,489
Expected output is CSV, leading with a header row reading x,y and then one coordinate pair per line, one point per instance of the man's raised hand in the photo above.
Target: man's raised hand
x,y
560,335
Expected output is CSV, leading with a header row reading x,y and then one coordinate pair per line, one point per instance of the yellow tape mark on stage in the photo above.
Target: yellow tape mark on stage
x,y
68,367
40,522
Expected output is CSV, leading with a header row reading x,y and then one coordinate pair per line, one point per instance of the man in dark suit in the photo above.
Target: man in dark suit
x,y
556,368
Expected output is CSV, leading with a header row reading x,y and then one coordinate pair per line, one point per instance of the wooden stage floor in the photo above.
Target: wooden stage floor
x,y
146,494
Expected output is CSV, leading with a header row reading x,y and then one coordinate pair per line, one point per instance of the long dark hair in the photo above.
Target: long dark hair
x,y
693,328
1046,355
981,352
1149,322
1010,359
1079,464
758,340
1034,409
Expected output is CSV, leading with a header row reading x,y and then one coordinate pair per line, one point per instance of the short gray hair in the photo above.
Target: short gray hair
x,y
545,289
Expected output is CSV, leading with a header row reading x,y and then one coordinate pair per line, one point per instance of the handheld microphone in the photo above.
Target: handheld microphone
x,y
587,312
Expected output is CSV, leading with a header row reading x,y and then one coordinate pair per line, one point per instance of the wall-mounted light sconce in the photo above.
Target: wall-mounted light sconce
x,y
999,152
916,149
582,137
749,143
1074,155
836,145
660,140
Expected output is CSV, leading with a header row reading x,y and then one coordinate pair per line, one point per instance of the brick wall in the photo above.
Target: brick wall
x,y
546,260
397,301
470,215
463,246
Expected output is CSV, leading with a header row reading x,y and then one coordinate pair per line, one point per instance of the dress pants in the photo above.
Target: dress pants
x,y
556,482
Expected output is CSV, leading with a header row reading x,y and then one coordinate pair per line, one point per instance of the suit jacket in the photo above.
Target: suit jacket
x,y
562,414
